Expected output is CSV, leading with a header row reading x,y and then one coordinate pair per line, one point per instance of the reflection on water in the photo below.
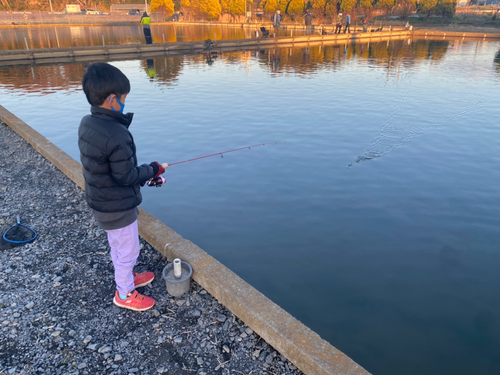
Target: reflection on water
x,y
391,55
394,261
78,36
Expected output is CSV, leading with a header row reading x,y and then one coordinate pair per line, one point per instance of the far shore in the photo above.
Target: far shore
x,y
475,27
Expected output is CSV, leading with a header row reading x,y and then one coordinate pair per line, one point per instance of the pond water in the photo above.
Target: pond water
x,y
374,221
77,36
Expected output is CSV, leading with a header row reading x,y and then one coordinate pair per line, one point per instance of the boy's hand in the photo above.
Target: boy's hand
x,y
158,169
165,165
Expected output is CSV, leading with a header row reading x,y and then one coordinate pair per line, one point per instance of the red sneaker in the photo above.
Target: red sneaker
x,y
143,279
134,301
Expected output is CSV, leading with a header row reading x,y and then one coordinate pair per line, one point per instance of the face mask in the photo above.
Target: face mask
x,y
120,103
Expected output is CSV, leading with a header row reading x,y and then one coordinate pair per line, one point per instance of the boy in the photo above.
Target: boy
x,y
113,179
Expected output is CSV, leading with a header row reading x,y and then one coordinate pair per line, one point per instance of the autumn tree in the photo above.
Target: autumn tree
x,y
405,7
210,9
347,5
294,7
166,6
447,8
233,7
427,6
386,6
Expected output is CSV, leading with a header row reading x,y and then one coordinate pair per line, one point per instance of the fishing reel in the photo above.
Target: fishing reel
x,y
157,181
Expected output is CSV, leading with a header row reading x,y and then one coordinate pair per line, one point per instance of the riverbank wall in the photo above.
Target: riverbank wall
x,y
291,338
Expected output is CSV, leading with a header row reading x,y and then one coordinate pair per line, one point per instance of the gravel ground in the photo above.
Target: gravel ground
x,y
57,314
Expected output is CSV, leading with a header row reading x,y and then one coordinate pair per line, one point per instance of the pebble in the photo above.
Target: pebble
x,y
226,348
104,349
118,357
178,340
221,318
199,360
87,339
56,334
81,366
133,370
30,305
92,346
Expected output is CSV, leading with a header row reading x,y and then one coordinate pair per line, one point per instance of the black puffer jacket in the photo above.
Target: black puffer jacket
x,y
107,152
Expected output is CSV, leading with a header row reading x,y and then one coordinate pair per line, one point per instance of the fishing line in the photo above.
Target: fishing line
x,y
160,180
224,152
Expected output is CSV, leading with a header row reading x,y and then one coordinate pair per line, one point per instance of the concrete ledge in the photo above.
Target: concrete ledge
x,y
286,334
450,34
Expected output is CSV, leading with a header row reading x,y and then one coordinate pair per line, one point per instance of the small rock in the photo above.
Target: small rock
x,y
92,346
82,365
155,313
221,318
30,305
72,333
199,360
226,348
178,340
180,302
104,349
56,334
249,331
87,339
118,357
196,313
269,359
133,370
256,353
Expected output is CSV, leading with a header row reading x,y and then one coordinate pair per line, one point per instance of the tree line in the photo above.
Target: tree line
x,y
211,10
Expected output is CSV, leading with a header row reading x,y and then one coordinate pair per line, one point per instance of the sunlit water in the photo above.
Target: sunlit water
x,y
77,36
375,224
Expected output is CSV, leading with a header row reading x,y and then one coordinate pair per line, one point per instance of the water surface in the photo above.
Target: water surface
x,y
375,224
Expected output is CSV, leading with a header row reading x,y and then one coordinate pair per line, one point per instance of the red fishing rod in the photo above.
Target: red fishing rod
x,y
224,152
160,180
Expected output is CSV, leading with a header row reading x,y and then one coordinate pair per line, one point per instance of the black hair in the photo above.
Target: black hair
x,y
101,80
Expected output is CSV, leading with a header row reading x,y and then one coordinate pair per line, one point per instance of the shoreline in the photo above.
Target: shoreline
x,y
222,326
56,293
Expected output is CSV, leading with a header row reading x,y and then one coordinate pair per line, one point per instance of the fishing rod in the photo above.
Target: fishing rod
x,y
160,180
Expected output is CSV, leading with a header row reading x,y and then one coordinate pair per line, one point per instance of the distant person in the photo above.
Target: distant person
x,y
338,26
347,23
146,26
277,23
365,25
113,179
308,21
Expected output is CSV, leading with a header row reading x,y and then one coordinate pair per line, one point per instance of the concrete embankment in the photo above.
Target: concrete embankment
x,y
424,33
303,347
94,53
